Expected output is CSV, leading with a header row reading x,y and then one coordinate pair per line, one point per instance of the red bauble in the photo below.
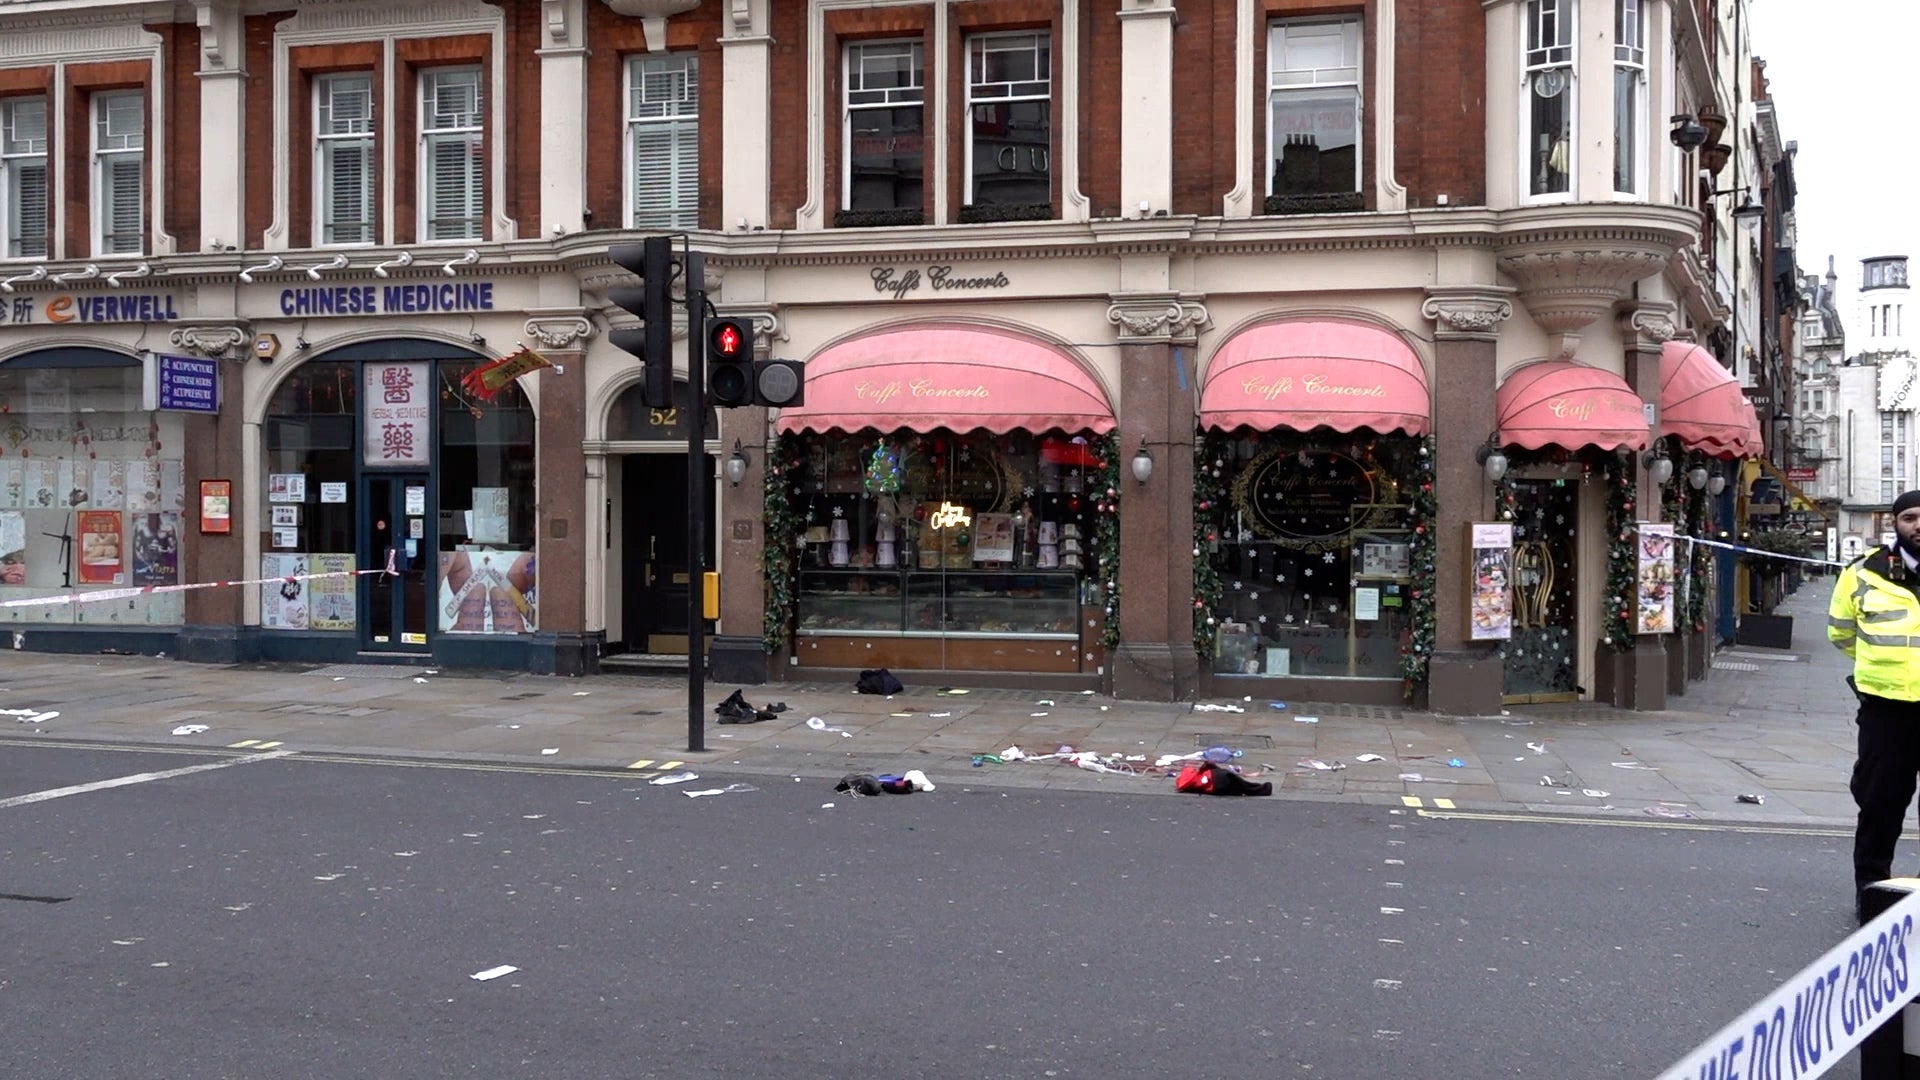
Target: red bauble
x,y
1204,504
1198,604
1211,538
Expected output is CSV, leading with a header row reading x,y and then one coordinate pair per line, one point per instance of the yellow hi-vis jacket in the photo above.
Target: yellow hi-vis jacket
x,y
1875,618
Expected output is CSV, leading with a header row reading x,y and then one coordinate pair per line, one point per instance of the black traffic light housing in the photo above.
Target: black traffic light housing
x,y
736,380
652,261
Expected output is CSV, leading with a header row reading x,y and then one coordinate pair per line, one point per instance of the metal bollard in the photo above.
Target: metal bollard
x,y
1892,1052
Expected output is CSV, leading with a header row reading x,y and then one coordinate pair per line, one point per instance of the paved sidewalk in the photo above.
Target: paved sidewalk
x,y
1768,723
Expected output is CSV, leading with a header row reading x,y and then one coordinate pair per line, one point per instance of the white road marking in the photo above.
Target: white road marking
x,y
137,778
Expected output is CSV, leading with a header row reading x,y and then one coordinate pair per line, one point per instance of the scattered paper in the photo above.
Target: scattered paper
x,y
1537,747
420,680
720,790
826,806
339,678
1369,757
551,750
581,693
1012,753
818,724
1044,701
1634,765
29,716
189,729
1412,777
1668,812
678,778
1208,706
940,715
1042,713
1321,766
1306,719
494,973
900,714
1592,793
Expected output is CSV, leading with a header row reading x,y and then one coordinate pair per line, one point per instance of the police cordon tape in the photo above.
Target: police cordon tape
x,y
1744,550
149,590
1816,1017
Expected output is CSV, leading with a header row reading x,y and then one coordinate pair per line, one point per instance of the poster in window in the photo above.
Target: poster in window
x,y
143,487
13,484
286,517
489,515
43,484
216,506
993,538
102,557
156,549
397,401
110,485
1655,579
331,600
74,479
286,538
283,603
487,592
1489,581
287,487
13,548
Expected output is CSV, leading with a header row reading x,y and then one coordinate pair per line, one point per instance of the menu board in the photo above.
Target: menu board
x,y
1654,579
1489,581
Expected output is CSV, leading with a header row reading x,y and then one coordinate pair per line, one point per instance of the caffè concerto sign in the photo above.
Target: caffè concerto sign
x,y
900,282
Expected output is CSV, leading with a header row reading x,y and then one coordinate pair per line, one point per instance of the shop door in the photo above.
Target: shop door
x,y
653,506
394,523
1541,659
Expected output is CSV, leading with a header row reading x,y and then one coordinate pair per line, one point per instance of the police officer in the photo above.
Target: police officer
x,y
1875,619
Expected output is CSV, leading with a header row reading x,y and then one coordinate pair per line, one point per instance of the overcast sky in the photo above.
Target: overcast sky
x,y
1843,76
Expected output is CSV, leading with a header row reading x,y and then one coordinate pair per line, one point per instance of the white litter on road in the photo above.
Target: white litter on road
x,y
494,972
1306,719
189,729
551,750
677,778
1537,747
720,790
29,716
1634,765
1369,757
818,724
1208,706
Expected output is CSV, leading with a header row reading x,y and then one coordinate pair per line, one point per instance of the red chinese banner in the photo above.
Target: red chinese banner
x,y
398,402
102,552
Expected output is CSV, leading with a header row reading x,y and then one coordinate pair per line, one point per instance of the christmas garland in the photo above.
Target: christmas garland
x,y
1209,512
1107,537
782,526
1623,563
1422,513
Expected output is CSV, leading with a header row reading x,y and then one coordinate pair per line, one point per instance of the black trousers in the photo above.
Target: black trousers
x,y
1883,783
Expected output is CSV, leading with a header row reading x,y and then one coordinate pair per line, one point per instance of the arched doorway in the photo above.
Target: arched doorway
x,y
647,578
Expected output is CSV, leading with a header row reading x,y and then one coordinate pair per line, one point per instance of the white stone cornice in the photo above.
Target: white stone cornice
x,y
1468,312
1647,323
78,36
1157,318
1574,263
217,339
559,331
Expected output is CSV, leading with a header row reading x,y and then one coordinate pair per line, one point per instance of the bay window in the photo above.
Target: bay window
x,y
1010,120
119,172
663,141
23,178
343,142
453,158
1629,95
885,128
1549,110
1313,108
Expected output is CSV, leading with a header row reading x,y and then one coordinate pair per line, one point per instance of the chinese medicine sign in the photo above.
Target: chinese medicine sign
x,y
398,425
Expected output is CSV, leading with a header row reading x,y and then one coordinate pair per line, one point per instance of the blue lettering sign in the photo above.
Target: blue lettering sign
x,y
189,384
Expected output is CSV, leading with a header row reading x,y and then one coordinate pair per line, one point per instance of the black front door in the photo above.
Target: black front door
x,y
395,530
653,500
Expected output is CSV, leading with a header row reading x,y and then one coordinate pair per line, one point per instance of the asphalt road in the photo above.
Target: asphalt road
x,y
307,918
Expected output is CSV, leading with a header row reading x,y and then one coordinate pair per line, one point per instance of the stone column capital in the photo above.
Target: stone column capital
x,y
1647,324
213,339
1468,312
559,330
1158,318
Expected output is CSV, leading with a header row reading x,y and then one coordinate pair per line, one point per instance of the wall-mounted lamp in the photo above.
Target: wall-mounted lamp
x,y
85,273
338,262
114,279
737,464
1716,485
1697,478
274,262
468,259
38,273
1687,133
405,258
1492,459
1659,467
1143,462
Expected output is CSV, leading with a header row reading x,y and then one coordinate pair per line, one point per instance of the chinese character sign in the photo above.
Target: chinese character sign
x,y
398,399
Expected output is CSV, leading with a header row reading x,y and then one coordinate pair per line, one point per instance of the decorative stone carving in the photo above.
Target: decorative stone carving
x,y
219,23
555,12
213,340
653,15
1468,313
1152,318
559,331
1652,323
1573,264
742,13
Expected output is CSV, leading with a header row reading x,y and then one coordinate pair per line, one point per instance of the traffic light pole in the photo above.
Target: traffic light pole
x,y
696,279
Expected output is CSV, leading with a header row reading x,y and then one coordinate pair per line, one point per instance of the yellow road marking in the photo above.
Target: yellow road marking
x,y
267,745
1410,800
1640,823
641,764
241,743
670,765
1444,804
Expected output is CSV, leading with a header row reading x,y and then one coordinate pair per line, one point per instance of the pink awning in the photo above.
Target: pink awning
x,y
1701,402
1569,405
1303,374
955,377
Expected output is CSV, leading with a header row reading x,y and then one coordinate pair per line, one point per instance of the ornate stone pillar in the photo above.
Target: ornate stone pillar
x,y
563,645
1652,664
1155,660
1463,677
738,654
213,449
